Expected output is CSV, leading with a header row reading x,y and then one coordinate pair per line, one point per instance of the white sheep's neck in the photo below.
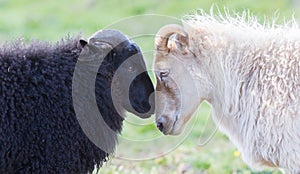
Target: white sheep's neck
x,y
252,78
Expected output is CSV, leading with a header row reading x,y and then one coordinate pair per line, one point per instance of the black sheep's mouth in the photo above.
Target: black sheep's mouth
x,y
138,112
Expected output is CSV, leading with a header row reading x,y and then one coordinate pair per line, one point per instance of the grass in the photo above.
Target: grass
x,y
52,20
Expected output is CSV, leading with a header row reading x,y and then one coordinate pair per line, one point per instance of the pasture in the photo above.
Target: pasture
x,y
203,149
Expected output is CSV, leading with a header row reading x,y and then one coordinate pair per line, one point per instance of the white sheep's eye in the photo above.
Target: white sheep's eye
x,y
163,74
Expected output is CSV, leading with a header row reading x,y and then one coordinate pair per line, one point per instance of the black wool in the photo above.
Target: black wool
x,y
39,132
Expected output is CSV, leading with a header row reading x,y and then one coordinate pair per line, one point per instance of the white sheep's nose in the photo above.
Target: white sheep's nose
x,y
160,124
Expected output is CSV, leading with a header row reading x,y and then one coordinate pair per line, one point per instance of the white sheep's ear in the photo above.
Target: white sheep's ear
x,y
82,42
177,42
170,38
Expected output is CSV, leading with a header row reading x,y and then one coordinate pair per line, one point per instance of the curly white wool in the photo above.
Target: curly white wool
x,y
254,71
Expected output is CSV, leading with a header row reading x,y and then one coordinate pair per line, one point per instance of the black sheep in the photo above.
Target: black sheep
x,y
39,131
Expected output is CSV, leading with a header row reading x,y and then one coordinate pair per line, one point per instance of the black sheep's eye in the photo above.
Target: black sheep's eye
x,y
97,43
130,69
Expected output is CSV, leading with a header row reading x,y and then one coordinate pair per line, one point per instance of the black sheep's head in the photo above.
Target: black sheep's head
x,y
128,83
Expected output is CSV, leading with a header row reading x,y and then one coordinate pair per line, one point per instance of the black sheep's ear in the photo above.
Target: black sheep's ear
x,y
82,42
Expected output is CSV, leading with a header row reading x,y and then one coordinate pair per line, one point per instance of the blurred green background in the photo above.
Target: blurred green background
x,y
53,20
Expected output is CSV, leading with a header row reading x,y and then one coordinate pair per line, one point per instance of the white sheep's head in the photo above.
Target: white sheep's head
x,y
177,96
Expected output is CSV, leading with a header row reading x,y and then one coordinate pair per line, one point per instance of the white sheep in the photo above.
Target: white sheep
x,y
248,72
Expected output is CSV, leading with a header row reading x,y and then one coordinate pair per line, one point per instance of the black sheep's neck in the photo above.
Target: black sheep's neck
x,y
106,104
102,88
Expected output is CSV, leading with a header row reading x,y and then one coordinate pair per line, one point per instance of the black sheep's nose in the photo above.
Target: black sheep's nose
x,y
160,124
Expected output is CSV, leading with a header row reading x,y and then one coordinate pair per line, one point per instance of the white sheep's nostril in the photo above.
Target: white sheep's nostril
x,y
160,124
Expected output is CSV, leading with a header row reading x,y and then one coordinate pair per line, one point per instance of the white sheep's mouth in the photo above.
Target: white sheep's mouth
x,y
174,125
172,130
169,113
